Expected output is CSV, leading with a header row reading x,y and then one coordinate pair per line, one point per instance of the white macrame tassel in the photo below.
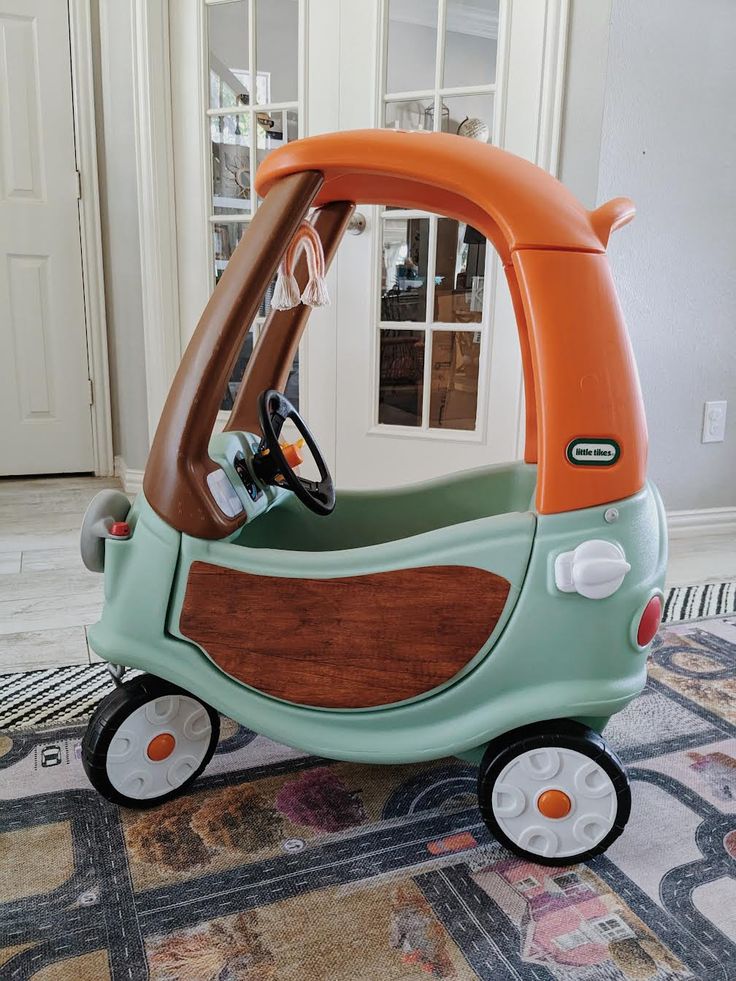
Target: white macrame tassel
x,y
315,292
286,291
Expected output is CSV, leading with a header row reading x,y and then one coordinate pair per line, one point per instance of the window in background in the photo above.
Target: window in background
x,y
255,105
439,75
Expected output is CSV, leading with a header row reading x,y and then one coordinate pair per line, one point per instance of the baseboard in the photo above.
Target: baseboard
x,y
132,480
705,521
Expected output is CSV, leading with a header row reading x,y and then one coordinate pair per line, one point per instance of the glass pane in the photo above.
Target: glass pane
x,y
277,51
238,371
291,389
469,115
229,212
412,45
429,118
453,396
231,162
404,269
226,236
273,129
265,307
408,115
401,381
459,273
227,25
471,40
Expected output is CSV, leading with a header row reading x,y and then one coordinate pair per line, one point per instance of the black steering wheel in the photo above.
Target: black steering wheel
x,y
270,463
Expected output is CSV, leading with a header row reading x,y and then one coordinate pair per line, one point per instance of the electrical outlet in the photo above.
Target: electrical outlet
x,y
714,422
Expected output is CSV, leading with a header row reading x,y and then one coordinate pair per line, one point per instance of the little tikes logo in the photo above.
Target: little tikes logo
x,y
591,452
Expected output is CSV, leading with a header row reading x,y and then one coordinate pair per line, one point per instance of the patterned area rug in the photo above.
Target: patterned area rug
x,y
286,867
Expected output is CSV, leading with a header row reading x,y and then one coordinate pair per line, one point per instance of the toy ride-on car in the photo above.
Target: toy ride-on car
x,y
501,614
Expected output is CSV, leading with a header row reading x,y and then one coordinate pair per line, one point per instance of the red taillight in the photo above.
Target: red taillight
x,y
650,620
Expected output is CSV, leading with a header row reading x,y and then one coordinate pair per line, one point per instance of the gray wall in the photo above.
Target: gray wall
x,y
669,142
119,210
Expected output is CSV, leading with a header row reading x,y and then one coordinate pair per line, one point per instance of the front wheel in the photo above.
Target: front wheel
x,y
147,741
554,792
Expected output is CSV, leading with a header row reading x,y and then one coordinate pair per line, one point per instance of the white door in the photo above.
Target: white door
x,y
428,367
45,421
414,370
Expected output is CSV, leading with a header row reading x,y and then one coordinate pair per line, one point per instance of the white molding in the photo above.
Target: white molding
x,y
699,522
584,98
192,152
90,232
156,204
553,85
132,480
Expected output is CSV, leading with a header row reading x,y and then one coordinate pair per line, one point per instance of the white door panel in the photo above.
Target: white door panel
x,y
45,423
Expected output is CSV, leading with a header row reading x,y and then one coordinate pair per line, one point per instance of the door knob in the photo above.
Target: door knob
x,y
356,225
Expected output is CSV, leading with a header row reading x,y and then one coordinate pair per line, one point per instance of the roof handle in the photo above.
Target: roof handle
x,y
610,216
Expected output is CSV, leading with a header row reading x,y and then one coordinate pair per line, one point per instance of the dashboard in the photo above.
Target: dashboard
x,y
234,486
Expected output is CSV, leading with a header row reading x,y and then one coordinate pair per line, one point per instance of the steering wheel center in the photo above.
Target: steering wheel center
x,y
274,464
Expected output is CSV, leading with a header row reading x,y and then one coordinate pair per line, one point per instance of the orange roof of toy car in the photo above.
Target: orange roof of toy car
x,y
515,203
581,385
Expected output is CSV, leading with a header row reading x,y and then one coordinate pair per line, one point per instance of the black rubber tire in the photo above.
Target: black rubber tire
x,y
110,714
566,734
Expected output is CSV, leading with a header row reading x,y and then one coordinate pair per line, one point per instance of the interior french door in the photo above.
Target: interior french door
x,y
414,370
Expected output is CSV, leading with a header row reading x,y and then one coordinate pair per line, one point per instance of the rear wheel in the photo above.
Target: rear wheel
x,y
554,792
147,742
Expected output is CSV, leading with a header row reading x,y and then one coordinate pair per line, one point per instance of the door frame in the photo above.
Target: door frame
x,y
154,154
154,75
90,233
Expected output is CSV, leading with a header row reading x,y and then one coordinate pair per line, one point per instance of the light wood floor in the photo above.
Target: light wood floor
x,y
47,597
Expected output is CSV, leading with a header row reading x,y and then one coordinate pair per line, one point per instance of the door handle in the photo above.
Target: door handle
x,y
356,225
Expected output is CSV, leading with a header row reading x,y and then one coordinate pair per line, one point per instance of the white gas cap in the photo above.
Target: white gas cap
x,y
594,569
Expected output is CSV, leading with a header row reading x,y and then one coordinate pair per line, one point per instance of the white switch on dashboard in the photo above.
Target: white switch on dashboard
x,y
224,493
594,569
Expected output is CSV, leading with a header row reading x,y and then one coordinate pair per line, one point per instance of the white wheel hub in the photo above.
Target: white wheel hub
x,y
556,803
158,747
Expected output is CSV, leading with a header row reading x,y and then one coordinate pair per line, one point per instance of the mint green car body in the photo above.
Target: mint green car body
x,y
552,654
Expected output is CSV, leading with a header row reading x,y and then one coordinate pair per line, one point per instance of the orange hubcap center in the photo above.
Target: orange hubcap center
x,y
161,746
554,804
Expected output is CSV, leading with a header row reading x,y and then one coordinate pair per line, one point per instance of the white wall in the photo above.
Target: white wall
x,y
119,211
669,142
